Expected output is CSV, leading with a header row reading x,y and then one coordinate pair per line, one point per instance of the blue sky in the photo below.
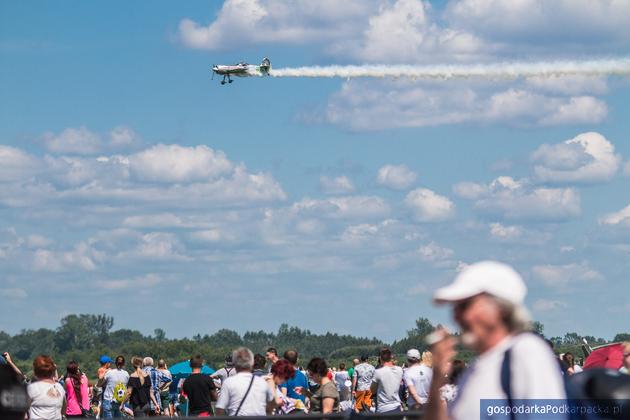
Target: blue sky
x,y
129,177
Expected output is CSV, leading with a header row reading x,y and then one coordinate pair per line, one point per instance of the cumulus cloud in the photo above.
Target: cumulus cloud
x,y
79,141
248,22
163,174
561,276
548,305
141,282
83,257
343,207
503,232
175,163
519,200
576,24
16,165
161,246
83,141
433,252
588,157
397,177
619,218
427,206
375,105
337,185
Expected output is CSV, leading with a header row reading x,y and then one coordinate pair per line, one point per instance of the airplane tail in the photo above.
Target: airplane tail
x,y
265,66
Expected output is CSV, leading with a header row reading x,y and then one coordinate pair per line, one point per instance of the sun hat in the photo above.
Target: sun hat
x,y
413,354
490,277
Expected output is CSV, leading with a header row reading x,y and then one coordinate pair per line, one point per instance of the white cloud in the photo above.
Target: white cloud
x,y
529,108
619,218
82,141
173,175
249,22
432,252
549,305
16,165
428,206
503,232
13,293
519,200
577,24
214,235
337,185
137,283
83,256
578,110
561,276
162,220
397,177
162,246
79,141
588,157
175,163
569,84
379,104
123,137
343,207
470,190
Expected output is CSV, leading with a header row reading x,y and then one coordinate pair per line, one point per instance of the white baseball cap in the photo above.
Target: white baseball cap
x,y
490,277
413,354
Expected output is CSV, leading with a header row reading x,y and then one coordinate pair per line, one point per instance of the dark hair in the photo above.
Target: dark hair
x,y
161,364
283,369
259,361
364,357
291,356
73,372
318,366
196,362
385,355
120,362
456,371
272,350
342,366
569,359
44,366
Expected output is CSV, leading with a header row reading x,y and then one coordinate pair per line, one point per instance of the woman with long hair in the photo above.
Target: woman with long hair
x,y
48,399
140,392
77,398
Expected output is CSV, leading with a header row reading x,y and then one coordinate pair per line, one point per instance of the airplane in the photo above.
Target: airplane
x,y
241,69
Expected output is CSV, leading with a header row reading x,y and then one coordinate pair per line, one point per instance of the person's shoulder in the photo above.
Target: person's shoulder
x,y
527,342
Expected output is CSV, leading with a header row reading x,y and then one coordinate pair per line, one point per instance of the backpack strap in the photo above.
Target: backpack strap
x,y
506,379
245,396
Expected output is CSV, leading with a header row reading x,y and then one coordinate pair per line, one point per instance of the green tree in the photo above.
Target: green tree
x,y
538,328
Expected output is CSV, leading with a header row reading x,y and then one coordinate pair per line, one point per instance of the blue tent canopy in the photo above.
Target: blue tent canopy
x,y
182,369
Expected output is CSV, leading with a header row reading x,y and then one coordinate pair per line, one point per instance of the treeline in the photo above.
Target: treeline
x,y
86,337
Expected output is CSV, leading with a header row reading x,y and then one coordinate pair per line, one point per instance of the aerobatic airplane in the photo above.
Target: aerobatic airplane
x,y
241,70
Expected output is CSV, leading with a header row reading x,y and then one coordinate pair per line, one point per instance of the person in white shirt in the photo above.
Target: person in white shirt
x,y
342,380
244,394
513,364
418,380
386,384
47,396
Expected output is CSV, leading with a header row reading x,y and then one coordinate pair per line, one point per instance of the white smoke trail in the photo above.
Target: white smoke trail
x,y
512,70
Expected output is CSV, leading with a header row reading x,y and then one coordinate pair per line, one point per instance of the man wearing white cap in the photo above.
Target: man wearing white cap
x,y
512,364
418,380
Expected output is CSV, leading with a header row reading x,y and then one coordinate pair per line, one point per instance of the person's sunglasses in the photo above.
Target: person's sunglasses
x,y
462,305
